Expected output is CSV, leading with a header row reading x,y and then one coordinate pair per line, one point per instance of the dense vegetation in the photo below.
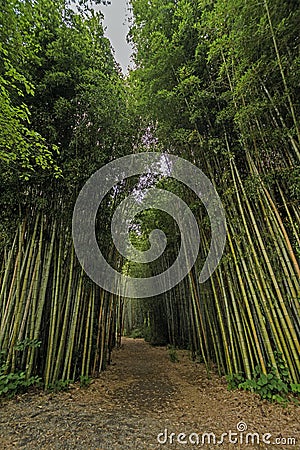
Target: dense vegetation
x,y
217,83
63,115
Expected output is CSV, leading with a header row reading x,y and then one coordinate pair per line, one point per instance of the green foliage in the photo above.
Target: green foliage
x,y
268,386
60,385
216,83
173,354
85,381
295,388
15,383
63,115
21,148
234,380
22,345
282,367
272,386
137,333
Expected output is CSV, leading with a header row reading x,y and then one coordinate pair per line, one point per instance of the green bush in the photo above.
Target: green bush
x,y
234,380
60,385
14,383
137,333
140,333
273,386
295,388
173,354
269,386
85,381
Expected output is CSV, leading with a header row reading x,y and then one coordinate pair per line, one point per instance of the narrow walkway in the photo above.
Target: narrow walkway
x,y
141,395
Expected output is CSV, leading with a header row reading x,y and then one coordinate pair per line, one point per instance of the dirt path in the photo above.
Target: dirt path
x,y
141,395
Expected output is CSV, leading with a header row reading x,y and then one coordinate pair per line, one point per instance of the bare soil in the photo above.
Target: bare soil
x,y
141,395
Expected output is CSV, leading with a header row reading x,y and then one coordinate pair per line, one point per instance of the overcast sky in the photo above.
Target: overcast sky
x,y
116,23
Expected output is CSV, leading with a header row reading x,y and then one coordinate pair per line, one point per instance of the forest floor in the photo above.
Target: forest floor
x,y
139,396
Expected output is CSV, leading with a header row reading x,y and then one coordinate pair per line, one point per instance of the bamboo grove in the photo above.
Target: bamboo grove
x,y
215,82
219,83
64,116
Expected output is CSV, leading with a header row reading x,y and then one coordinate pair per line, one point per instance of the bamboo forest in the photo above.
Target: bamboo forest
x,y
215,83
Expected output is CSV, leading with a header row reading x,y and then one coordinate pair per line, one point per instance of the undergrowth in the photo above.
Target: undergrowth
x,y
173,354
13,383
16,382
275,385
